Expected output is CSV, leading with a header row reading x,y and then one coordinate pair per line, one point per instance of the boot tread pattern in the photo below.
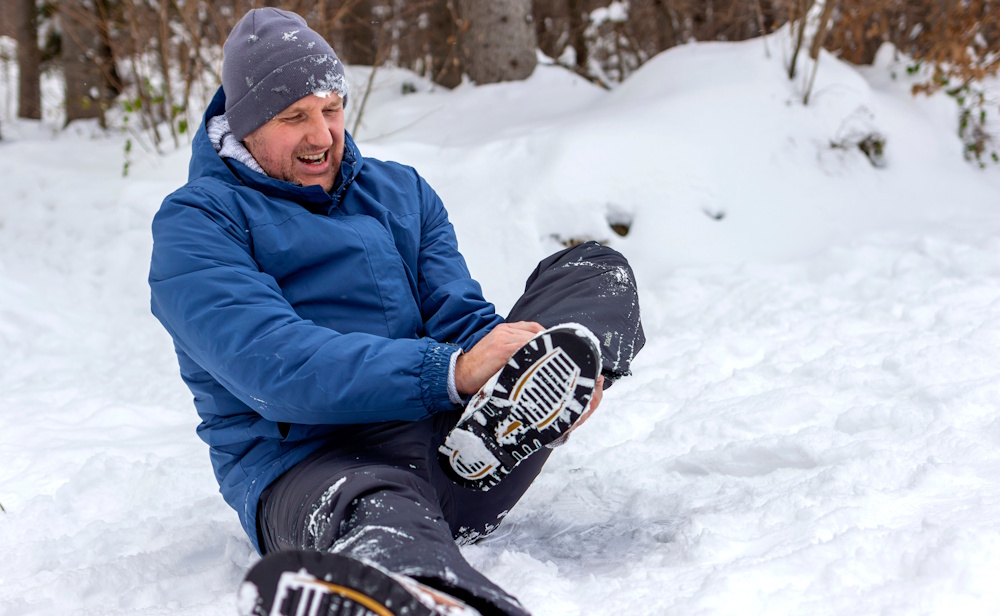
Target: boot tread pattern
x,y
310,583
541,392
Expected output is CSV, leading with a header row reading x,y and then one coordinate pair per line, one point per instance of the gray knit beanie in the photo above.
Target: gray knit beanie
x,y
272,59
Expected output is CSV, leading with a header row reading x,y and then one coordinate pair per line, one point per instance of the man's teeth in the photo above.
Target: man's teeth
x,y
314,159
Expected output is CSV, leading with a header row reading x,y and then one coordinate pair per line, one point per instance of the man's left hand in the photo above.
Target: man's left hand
x,y
595,400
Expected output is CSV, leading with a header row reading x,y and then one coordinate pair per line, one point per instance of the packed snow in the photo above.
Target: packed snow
x,y
812,428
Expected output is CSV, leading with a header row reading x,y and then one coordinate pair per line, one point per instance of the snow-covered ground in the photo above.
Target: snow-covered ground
x,y
813,427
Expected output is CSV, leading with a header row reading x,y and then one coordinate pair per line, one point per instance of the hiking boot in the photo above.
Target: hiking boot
x,y
532,402
312,583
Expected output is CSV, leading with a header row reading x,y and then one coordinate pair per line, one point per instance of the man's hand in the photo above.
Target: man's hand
x,y
485,359
595,400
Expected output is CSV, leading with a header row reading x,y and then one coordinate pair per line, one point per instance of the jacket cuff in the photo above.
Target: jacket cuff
x,y
434,376
453,395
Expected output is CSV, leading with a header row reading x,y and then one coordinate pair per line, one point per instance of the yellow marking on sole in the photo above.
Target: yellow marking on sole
x,y
357,597
511,428
555,414
527,376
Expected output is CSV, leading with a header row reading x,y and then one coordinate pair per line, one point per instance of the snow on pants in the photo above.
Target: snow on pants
x,y
377,493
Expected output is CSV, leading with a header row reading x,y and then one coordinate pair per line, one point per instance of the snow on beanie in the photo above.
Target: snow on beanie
x,y
272,59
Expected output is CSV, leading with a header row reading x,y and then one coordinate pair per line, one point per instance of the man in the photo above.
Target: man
x,y
330,332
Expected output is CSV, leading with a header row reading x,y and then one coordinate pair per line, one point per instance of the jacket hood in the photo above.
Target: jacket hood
x,y
206,163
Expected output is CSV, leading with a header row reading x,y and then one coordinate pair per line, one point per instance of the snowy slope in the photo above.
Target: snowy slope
x,y
812,428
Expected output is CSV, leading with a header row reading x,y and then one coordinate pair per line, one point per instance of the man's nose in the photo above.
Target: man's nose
x,y
318,133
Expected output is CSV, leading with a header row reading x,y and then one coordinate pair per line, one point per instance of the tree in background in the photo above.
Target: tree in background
x,y
606,41
81,45
146,57
441,47
497,40
561,28
29,61
358,30
955,45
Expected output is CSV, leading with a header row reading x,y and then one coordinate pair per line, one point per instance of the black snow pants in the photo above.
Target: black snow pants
x,y
378,494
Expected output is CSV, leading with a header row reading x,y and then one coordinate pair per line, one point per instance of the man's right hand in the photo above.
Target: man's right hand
x,y
487,357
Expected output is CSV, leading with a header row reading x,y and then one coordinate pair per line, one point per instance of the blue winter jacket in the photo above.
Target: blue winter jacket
x,y
295,311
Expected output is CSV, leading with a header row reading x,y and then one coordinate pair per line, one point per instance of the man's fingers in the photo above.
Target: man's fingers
x,y
507,338
598,394
595,400
488,355
529,326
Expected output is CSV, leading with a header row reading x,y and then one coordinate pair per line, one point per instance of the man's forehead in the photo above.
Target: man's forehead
x,y
316,99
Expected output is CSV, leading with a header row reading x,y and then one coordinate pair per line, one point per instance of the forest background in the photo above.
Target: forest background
x,y
140,61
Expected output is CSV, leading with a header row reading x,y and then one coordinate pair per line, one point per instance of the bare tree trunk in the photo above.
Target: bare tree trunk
x,y
144,96
824,28
163,38
497,40
80,41
817,45
446,68
801,15
359,32
550,26
759,14
667,35
28,61
113,85
578,21
324,21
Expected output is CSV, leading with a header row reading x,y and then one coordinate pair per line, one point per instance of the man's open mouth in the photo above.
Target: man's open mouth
x,y
315,159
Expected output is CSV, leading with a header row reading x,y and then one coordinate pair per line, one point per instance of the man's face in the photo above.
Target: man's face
x,y
303,144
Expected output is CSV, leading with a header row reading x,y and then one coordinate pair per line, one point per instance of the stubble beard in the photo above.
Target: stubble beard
x,y
284,169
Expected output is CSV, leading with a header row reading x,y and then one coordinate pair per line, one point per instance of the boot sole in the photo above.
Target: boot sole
x,y
541,392
312,583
